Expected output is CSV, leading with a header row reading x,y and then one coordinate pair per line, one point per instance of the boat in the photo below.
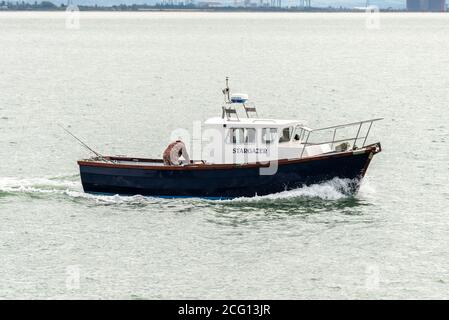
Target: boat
x,y
252,156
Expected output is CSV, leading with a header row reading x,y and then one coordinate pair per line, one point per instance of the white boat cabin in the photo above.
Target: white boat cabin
x,y
249,140
240,136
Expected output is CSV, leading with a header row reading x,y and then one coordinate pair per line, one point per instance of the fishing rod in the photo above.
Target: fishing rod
x,y
83,144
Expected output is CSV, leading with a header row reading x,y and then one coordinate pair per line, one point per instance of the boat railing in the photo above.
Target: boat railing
x,y
229,110
305,133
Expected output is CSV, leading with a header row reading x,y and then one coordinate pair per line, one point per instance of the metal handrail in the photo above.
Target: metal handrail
x,y
359,123
342,125
333,141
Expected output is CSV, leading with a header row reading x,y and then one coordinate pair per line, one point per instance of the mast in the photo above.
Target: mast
x,y
226,92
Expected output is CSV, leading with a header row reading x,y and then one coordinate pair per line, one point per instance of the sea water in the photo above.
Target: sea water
x,y
123,81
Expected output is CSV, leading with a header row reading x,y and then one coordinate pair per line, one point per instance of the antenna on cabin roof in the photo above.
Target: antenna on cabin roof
x,y
226,91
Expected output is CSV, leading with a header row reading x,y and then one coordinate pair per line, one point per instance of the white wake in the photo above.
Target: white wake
x,y
334,189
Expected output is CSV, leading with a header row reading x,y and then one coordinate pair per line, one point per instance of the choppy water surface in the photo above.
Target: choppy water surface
x,y
124,81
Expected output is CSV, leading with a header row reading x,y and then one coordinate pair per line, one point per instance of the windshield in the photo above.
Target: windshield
x,y
286,134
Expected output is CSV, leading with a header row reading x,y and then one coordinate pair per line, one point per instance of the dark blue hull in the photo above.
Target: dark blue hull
x,y
222,181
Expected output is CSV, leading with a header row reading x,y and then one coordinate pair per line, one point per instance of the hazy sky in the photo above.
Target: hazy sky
x,y
318,3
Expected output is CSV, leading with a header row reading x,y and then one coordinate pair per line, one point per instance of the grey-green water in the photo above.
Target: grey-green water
x,y
124,81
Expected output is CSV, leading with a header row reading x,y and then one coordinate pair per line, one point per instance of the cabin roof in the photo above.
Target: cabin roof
x,y
252,122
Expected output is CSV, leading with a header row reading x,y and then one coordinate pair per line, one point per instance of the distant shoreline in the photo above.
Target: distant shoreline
x,y
326,10
212,6
49,6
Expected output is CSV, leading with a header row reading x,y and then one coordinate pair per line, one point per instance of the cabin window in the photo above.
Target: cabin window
x,y
241,135
286,134
269,135
250,135
298,133
238,135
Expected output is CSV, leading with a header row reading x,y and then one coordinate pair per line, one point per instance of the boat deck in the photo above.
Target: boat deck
x,y
158,164
139,163
122,160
